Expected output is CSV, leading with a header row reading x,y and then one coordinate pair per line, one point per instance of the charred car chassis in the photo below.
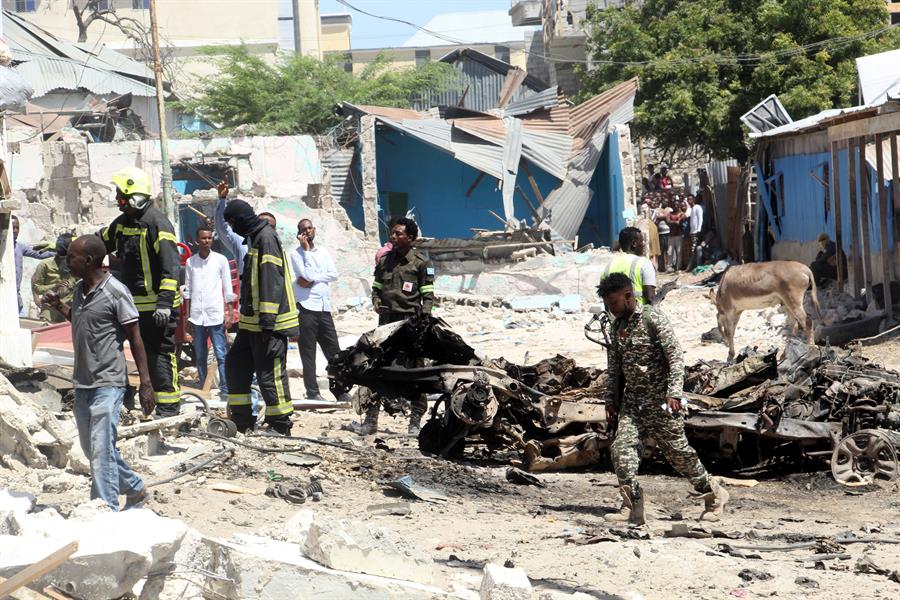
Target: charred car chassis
x,y
809,402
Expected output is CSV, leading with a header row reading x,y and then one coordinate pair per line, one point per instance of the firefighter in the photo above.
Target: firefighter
x,y
268,318
144,241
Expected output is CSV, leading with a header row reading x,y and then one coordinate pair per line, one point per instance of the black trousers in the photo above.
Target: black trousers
x,y
159,344
265,355
316,327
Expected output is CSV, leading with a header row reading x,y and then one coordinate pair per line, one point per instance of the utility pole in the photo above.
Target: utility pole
x,y
168,203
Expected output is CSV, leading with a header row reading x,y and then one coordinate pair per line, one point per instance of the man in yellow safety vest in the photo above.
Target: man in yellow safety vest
x,y
630,261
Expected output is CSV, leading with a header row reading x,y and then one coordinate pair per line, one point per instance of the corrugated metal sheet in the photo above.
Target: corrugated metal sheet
x,y
483,76
567,205
51,64
541,100
337,164
47,74
387,112
816,121
549,151
584,116
512,154
879,77
581,169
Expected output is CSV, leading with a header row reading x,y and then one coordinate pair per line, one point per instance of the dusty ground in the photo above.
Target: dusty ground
x,y
489,519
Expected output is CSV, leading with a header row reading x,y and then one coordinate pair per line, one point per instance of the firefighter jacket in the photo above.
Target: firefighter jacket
x,y
150,264
267,293
404,284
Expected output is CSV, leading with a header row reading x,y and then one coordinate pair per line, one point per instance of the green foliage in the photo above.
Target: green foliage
x,y
298,94
697,79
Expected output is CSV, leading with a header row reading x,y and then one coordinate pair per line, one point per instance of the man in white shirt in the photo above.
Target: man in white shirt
x,y
207,290
696,226
313,270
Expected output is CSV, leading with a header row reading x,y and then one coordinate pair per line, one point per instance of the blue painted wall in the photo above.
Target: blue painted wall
x,y
437,183
803,215
603,219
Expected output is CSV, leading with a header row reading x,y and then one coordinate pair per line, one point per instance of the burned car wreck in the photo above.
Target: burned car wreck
x,y
809,403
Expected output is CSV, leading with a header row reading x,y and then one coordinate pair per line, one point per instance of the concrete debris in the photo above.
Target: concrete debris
x,y
12,501
108,564
257,567
29,434
362,548
500,583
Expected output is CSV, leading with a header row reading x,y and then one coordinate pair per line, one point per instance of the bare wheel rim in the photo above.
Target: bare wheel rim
x,y
863,458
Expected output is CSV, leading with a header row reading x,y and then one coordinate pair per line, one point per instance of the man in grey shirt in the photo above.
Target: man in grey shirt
x,y
103,316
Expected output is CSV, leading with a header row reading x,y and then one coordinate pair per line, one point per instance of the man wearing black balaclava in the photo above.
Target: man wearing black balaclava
x,y
53,275
268,318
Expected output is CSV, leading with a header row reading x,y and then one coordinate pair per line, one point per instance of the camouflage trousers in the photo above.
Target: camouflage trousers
x,y
667,430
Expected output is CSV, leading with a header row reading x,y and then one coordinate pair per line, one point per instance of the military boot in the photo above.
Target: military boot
x,y
715,500
416,412
370,424
632,509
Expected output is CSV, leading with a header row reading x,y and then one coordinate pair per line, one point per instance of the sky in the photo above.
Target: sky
x,y
369,32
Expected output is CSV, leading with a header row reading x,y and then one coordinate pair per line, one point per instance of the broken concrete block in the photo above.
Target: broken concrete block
x,y
61,482
266,569
187,577
296,529
116,550
12,501
500,583
362,548
28,432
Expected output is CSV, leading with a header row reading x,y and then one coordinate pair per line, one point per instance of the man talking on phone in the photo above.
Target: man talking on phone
x,y
313,271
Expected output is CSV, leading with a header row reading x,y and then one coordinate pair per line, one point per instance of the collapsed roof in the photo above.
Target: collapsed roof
x,y
565,141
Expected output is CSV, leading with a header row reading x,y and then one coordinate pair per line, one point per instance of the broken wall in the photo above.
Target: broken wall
x,y
65,184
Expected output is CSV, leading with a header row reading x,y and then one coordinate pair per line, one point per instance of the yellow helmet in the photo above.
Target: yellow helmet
x,y
132,180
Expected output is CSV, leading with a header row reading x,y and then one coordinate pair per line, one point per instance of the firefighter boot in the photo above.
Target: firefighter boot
x,y
632,509
370,424
715,500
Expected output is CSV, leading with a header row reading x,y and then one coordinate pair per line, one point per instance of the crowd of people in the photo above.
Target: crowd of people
x,y
675,222
126,283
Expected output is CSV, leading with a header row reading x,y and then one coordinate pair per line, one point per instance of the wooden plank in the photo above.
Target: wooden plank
x,y
475,184
38,569
23,593
864,207
855,260
887,257
534,185
534,212
836,212
885,123
895,187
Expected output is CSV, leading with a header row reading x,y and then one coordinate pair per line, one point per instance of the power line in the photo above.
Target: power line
x,y
733,60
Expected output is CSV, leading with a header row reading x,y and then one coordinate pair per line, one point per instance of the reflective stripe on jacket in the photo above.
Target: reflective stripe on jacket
x,y
146,247
267,293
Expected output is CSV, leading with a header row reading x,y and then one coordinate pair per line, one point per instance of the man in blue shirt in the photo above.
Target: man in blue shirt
x,y
24,250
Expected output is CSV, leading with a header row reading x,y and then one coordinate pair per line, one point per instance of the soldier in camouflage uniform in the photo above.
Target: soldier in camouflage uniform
x,y
403,286
646,375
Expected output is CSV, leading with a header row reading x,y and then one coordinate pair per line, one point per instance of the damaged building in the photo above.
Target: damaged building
x,y
89,87
532,160
836,173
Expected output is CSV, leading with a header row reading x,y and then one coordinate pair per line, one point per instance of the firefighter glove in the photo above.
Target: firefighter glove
x,y
161,316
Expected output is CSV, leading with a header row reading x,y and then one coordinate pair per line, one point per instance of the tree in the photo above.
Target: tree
x,y
88,12
704,63
298,94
